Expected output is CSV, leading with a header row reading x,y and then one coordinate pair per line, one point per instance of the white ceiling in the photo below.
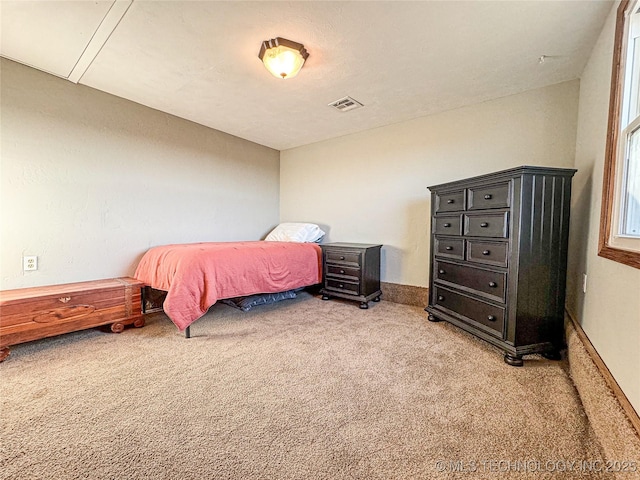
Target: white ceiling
x,y
199,59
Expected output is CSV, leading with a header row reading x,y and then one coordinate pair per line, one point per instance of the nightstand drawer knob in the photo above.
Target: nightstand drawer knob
x,y
491,318
488,196
486,252
446,225
484,224
440,297
441,272
450,201
448,247
493,284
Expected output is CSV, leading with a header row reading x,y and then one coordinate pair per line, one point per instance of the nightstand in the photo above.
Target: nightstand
x,y
351,271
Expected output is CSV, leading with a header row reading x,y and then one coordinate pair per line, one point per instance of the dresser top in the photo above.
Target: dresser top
x,y
351,245
511,172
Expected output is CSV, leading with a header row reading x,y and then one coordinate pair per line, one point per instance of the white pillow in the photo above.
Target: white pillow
x,y
295,232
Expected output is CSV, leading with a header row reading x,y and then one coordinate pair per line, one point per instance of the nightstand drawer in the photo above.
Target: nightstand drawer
x,y
489,317
340,271
450,202
482,282
489,253
489,196
493,225
450,247
352,288
342,257
447,225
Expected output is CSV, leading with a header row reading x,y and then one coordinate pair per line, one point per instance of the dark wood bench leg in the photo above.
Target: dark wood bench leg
x,y
187,332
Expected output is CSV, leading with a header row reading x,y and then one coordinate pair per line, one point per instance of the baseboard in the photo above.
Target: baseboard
x,y
405,294
611,415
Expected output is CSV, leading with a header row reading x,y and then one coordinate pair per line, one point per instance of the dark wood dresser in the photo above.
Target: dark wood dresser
x,y
351,271
499,258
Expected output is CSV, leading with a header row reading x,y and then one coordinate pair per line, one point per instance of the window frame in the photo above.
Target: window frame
x,y
612,152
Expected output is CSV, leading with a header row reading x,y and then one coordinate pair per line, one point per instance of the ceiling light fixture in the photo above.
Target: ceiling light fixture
x,y
283,58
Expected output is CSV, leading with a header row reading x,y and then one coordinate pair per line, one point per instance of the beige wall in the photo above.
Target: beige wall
x,y
371,187
610,310
89,181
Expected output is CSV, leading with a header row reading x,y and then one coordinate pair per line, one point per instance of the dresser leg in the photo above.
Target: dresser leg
x,y
364,305
431,318
377,299
325,297
513,360
4,353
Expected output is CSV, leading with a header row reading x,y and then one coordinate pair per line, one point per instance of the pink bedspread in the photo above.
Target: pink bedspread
x,y
197,275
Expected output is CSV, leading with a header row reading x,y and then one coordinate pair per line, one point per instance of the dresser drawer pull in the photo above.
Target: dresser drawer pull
x,y
486,252
491,318
446,225
484,224
440,297
342,257
341,285
488,196
493,284
441,272
448,247
450,201
342,272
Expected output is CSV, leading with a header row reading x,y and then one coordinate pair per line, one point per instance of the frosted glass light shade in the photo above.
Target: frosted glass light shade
x,y
283,58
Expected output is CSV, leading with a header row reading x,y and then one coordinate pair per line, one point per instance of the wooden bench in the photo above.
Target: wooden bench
x,y
28,314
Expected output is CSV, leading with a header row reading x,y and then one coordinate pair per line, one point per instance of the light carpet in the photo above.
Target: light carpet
x,y
303,389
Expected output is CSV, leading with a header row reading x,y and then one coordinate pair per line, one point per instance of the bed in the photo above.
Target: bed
x,y
197,275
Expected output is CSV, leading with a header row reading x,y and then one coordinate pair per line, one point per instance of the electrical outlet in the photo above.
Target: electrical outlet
x,y
29,263
584,283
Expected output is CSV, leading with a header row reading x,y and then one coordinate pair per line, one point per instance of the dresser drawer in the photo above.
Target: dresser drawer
x,y
342,257
449,247
450,202
448,225
485,316
489,196
345,286
483,282
493,225
489,253
340,271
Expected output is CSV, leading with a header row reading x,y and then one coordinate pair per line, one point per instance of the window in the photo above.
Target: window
x,y
620,217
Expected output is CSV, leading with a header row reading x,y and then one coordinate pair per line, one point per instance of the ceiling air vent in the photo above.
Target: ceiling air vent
x,y
345,104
